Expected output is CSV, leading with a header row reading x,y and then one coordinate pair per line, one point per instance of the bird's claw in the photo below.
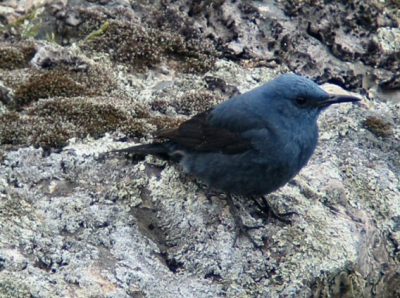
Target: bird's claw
x,y
269,211
241,228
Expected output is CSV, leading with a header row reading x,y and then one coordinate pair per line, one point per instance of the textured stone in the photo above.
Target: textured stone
x,y
73,224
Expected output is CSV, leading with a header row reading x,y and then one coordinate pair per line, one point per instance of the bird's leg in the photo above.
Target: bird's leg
x,y
269,211
241,228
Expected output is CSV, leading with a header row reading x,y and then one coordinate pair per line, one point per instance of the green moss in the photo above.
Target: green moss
x,y
16,56
160,105
51,123
165,122
164,36
46,84
378,127
196,102
189,103
141,48
9,133
18,136
87,117
63,82
11,58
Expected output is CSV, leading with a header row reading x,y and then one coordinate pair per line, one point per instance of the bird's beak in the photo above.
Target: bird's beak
x,y
338,98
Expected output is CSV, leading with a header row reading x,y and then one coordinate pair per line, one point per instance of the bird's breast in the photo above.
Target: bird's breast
x,y
288,150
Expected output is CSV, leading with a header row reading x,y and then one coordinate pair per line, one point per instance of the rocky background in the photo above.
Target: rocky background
x,y
78,78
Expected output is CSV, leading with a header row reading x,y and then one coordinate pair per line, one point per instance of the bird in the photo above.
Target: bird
x,y
251,144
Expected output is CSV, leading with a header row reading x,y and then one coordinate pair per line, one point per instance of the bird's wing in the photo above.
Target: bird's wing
x,y
198,134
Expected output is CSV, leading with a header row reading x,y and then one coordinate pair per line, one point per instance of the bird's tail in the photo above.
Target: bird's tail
x,y
156,148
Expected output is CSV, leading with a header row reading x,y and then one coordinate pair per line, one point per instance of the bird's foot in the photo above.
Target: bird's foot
x,y
269,212
241,228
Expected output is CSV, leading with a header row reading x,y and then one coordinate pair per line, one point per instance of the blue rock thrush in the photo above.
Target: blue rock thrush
x,y
251,144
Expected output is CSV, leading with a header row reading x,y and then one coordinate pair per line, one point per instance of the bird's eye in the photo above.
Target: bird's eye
x,y
301,101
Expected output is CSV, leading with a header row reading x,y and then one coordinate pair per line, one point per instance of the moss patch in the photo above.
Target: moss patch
x,y
51,123
165,36
143,48
189,103
47,84
62,82
378,127
16,56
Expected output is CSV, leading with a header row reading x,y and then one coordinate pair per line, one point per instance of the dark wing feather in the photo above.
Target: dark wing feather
x,y
197,134
156,148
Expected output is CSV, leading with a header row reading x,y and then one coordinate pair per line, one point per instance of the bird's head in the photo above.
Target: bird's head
x,y
298,97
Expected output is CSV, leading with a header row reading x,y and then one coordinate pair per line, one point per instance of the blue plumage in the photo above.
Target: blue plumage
x,y
252,144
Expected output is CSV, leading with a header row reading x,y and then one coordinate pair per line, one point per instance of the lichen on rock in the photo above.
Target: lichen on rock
x,y
102,75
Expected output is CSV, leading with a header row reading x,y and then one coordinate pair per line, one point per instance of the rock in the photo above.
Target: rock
x,y
75,223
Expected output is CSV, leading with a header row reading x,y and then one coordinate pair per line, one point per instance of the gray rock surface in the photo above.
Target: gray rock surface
x,y
76,224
